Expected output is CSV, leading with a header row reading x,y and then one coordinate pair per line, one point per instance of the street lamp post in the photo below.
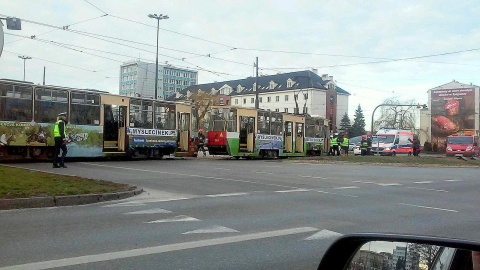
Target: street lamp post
x,y
393,105
158,18
25,58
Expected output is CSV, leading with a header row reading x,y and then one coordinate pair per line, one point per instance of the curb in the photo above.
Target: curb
x,y
52,201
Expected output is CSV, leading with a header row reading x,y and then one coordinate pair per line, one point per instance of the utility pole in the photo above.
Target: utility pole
x,y
257,102
158,18
43,75
25,58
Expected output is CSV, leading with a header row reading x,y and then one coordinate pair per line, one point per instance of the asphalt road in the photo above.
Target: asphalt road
x,y
229,214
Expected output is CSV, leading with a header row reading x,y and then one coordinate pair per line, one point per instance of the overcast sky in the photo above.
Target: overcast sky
x,y
334,31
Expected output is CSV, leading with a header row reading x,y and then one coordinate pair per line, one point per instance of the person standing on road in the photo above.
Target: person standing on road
x,y
201,142
345,144
364,145
330,148
416,145
334,143
60,137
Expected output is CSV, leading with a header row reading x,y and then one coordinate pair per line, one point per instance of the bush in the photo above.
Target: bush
x,y
427,146
435,147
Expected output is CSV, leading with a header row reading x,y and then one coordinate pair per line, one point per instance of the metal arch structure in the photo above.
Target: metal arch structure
x,y
392,105
2,38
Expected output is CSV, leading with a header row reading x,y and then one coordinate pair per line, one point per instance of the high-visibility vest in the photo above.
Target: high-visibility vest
x,y
364,144
334,142
56,130
345,142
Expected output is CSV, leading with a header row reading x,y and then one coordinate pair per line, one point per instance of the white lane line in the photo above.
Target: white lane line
x,y
126,204
363,182
260,172
213,229
190,175
350,187
453,180
223,169
423,182
174,219
149,211
324,234
272,166
388,184
428,207
226,194
333,193
292,190
314,177
429,189
157,249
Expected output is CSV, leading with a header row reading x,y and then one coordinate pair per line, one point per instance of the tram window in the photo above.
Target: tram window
x,y
264,122
15,103
276,124
49,103
164,117
141,114
85,109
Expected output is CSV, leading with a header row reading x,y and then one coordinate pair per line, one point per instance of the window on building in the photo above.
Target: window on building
x,y
260,99
272,85
285,110
236,101
277,110
305,96
228,102
49,103
305,110
269,99
15,103
277,98
290,83
286,97
252,100
244,101
84,108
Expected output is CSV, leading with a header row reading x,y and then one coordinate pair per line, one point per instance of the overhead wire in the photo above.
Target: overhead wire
x,y
96,7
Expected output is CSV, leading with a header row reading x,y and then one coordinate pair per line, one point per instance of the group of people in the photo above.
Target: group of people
x,y
338,142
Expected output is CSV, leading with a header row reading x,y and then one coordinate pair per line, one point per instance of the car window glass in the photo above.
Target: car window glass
x,y
444,259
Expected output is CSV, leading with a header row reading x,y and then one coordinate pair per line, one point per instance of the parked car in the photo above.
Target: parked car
x,y
353,142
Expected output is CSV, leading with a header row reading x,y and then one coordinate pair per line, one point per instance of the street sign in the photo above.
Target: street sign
x,y
14,24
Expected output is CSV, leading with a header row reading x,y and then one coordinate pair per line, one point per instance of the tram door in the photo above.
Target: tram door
x,y
184,119
247,133
299,138
114,128
288,137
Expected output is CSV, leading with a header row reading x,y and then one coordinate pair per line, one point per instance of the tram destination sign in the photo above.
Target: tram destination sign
x,y
262,137
151,132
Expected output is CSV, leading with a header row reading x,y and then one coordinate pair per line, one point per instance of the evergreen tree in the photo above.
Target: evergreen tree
x,y
358,127
345,124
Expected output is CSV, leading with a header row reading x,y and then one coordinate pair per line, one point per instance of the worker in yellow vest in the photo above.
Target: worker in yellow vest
x,y
334,145
345,145
60,137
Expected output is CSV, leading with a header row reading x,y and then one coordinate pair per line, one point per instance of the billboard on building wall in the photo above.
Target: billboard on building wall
x,y
453,110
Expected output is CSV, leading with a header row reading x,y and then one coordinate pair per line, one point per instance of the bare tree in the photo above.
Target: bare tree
x,y
202,102
425,252
397,117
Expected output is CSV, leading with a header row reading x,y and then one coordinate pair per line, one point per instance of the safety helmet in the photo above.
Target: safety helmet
x,y
336,134
62,114
331,136
200,130
364,136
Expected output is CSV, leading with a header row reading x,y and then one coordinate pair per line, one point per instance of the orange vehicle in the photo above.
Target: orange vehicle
x,y
462,143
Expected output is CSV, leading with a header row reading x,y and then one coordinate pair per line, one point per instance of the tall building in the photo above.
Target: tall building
x,y
137,78
294,92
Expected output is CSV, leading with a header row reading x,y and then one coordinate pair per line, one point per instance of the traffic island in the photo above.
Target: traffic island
x,y
23,188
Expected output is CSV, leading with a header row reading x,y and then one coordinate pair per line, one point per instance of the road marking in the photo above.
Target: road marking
x,y
272,166
315,177
324,234
213,229
430,189
125,204
363,182
149,211
224,169
226,194
175,219
423,182
428,207
260,172
350,187
190,175
333,193
157,249
388,184
453,180
292,190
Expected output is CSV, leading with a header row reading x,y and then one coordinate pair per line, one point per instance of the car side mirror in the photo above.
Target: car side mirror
x,y
390,251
